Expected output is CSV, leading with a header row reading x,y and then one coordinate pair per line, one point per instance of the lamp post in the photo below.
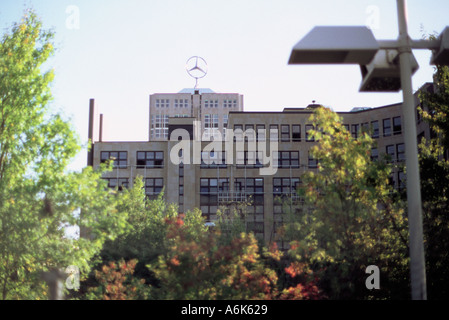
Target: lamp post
x,y
386,66
417,259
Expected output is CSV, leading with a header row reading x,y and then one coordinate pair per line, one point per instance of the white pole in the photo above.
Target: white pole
x,y
417,259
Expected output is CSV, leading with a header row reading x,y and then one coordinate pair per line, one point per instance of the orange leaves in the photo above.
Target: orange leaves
x,y
116,281
295,269
174,261
206,268
273,252
301,292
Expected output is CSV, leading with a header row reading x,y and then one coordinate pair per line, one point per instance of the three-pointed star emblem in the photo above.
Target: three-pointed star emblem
x,y
196,67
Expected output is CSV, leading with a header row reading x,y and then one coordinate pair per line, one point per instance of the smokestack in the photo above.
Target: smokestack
x,y
101,128
90,135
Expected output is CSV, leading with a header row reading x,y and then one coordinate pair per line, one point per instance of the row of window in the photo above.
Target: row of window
x,y
159,126
178,103
287,133
395,152
227,103
248,159
145,159
253,187
184,103
153,186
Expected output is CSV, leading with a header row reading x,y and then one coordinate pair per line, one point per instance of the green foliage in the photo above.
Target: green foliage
x,y
146,238
231,221
349,220
38,197
178,257
207,269
434,171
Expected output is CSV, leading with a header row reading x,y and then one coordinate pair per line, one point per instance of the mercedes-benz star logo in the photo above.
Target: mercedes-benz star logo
x,y
197,68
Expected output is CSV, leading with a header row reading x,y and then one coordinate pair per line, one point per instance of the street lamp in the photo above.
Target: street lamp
x,y
386,66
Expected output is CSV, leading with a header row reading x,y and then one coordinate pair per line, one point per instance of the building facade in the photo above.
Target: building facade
x,y
210,108
202,171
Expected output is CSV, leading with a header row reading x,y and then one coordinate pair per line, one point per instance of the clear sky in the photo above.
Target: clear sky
x,y
119,52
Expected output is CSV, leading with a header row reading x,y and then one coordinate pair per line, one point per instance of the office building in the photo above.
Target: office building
x,y
216,174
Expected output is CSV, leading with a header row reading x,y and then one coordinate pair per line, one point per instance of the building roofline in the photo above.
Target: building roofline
x,y
305,110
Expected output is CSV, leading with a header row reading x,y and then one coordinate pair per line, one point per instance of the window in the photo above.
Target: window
x,y
238,132
180,103
296,132
213,159
229,103
365,127
285,132
418,114
211,127
401,180
249,132
162,103
209,190
153,187
256,227
274,132
375,128
117,183
150,159
225,125
374,154
215,121
159,126
253,188
355,130
225,121
309,137
397,126
287,159
211,103
260,132
211,121
251,159
313,163
387,127
283,187
390,151
400,152
120,158
249,185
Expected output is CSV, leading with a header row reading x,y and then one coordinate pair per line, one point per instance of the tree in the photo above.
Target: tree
x,y
145,239
39,197
434,171
117,283
208,268
349,220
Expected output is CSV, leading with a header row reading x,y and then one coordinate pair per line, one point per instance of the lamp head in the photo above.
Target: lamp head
x,y
335,45
441,56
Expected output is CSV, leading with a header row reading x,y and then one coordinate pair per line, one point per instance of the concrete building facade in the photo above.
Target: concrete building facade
x,y
210,108
218,175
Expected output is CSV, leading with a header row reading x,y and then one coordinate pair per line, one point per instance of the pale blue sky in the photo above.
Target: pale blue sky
x,y
123,51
